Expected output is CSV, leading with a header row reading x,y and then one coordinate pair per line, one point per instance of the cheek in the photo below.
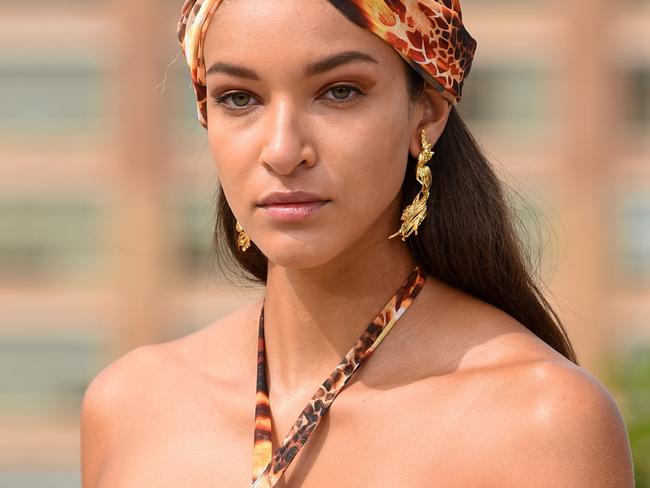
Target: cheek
x,y
229,161
370,185
373,165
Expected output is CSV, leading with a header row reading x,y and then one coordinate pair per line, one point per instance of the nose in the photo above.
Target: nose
x,y
286,145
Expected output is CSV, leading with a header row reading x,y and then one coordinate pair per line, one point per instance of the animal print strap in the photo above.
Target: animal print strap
x,y
268,468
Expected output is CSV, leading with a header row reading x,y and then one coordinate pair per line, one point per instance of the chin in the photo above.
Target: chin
x,y
293,254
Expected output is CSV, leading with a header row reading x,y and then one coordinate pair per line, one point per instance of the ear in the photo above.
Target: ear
x,y
433,114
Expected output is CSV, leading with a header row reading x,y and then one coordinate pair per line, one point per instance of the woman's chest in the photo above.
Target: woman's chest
x,y
387,457
391,439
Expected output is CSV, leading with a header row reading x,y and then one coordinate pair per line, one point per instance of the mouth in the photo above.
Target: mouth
x,y
293,211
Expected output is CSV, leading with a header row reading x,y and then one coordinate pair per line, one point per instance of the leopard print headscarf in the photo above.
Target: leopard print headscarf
x,y
428,34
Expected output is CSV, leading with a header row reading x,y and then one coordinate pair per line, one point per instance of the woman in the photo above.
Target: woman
x,y
351,188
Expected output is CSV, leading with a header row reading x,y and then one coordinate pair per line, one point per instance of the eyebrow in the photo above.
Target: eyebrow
x,y
312,69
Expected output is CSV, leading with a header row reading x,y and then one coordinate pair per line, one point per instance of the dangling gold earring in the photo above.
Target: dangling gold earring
x,y
414,214
243,241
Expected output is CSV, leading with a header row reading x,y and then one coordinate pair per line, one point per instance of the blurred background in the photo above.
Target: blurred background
x,y
107,194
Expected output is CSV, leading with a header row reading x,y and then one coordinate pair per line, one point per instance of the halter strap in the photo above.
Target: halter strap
x,y
268,468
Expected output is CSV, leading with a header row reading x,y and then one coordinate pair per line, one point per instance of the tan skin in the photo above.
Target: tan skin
x,y
458,394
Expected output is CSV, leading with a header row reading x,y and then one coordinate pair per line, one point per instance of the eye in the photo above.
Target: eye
x,y
341,93
240,100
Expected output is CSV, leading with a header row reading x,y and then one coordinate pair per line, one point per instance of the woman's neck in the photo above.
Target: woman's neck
x,y
314,316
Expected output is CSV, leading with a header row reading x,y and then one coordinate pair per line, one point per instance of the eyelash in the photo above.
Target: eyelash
x,y
221,100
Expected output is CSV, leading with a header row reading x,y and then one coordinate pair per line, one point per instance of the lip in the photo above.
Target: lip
x,y
292,212
290,197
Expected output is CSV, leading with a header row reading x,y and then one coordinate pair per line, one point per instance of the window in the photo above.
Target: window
x,y
44,369
507,97
44,96
632,235
51,236
637,101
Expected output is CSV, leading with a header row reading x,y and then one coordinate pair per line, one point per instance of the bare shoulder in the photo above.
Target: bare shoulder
x,y
146,366
103,406
560,427
225,343
129,373
531,417
145,381
111,403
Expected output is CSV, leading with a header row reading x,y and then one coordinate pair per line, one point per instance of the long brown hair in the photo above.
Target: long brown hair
x,y
468,238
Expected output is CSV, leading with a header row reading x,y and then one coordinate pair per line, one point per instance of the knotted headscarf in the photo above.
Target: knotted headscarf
x,y
428,34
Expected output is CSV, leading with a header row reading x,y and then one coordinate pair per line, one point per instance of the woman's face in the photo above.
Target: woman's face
x,y
281,117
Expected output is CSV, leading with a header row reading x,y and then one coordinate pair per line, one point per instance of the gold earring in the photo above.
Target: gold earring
x,y
243,241
414,214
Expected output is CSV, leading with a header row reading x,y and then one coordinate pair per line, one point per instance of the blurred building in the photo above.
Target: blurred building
x,y
107,190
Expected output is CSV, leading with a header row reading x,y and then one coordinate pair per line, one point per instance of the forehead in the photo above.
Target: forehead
x,y
289,31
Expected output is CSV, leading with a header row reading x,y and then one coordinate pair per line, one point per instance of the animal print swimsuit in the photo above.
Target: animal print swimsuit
x,y
268,468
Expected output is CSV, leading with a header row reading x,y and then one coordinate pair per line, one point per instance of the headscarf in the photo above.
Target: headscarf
x,y
428,34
